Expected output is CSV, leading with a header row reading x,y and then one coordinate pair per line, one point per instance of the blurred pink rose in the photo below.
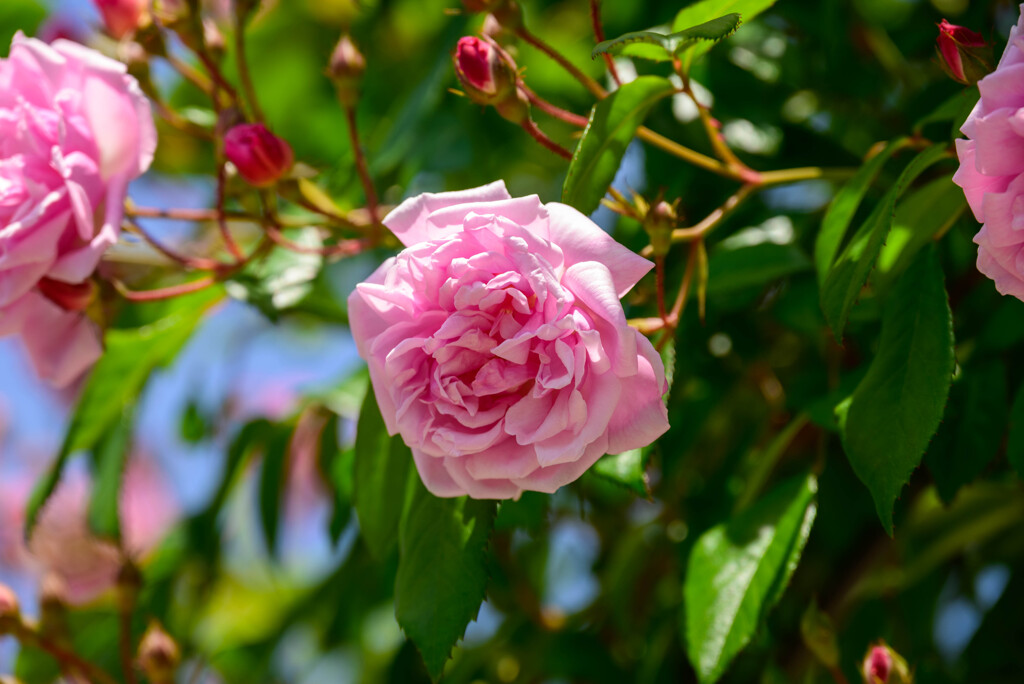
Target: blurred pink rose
x,y
74,130
992,168
61,543
498,347
122,17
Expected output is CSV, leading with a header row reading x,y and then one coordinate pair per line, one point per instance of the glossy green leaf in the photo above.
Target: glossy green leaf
x,y
972,428
613,123
1015,440
706,10
736,270
628,469
739,569
851,269
115,382
713,31
920,217
887,422
110,458
382,468
272,486
843,207
442,574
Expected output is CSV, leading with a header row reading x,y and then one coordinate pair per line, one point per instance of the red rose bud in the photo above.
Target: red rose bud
x,y
882,665
485,70
122,17
261,157
963,54
68,296
346,69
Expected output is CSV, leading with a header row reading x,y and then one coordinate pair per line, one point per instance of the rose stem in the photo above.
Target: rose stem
x,y
364,172
595,18
530,127
198,263
243,67
164,293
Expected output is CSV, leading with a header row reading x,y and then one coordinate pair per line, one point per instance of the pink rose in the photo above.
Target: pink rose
x,y
992,168
74,130
498,347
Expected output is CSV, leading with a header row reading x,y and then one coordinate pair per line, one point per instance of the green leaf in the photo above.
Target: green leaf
x,y
115,382
739,569
382,468
273,485
843,207
921,216
887,422
442,575
110,460
706,10
613,123
1015,441
972,428
25,15
851,269
627,469
714,30
735,270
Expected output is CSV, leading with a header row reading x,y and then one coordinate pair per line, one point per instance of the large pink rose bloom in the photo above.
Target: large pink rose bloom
x,y
992,168
498,347
74,130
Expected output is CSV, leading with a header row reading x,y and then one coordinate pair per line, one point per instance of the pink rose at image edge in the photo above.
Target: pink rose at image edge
x,y
75,129
991,169
498,347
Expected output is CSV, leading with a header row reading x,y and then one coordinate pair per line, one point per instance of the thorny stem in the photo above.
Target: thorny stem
x,y
711,127
590,84
595,19
30,635
684,292
215,74
364,172
165,292
222,223
199,263
213,215
243,70
557,112
530,127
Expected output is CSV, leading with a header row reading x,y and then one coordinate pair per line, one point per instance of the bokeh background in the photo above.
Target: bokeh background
x,y
585,586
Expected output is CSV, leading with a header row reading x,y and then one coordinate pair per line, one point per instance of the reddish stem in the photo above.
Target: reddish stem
x,y
364,171
222,224
199,263
552,110
538,135
166,292
346,248
595,18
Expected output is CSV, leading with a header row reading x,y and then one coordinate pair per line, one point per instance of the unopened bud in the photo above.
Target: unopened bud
x,y
963,54
158,654
882,665
261,157
346,69
659,222
515,109
122,17
10,612
68,296
485,71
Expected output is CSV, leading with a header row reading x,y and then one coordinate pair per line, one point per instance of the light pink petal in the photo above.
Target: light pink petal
x,y
1007,282
1003,88
63,345
550,479
435,476
480,489
506,461
641,416
583,240
408,221
1000,150
592,283
974,183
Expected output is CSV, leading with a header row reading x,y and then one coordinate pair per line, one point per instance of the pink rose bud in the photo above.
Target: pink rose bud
x,y
485,75
121,17
261,157
346,69
159,656
882,665
68,296
963,54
